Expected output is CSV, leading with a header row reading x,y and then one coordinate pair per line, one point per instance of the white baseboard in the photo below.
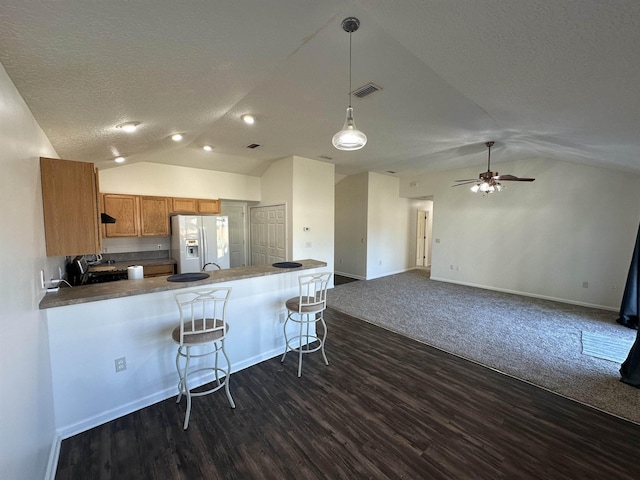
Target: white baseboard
x,y
54,454
527,294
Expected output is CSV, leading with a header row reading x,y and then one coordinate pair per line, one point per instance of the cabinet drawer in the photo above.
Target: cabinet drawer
x,y
157,270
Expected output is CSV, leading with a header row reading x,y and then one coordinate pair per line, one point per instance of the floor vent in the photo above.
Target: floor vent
x,y
253,145
366,90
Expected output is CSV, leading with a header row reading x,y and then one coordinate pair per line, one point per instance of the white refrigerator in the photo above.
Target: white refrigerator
x,y
200,242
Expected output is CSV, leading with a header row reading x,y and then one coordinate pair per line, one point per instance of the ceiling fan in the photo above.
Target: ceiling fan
x,y
489,182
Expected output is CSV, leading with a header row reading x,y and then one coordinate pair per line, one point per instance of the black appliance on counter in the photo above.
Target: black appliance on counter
x,y
77,271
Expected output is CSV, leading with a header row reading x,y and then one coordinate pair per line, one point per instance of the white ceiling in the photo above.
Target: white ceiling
x,y
559,79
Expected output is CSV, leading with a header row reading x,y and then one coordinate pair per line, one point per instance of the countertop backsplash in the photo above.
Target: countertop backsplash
x,y
129,256
135,244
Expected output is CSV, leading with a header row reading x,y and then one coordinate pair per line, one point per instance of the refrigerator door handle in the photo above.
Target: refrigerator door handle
x,y
203,242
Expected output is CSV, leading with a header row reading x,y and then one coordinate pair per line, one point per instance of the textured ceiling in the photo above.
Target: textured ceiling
x,y
558,79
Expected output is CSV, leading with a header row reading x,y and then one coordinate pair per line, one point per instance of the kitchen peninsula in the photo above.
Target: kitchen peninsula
x,y
93,325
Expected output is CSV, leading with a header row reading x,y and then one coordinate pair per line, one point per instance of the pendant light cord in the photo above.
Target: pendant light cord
x,y
349,92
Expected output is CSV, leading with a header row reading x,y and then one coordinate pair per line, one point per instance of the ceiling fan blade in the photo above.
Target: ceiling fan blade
x,y
467,180
464,183
513,178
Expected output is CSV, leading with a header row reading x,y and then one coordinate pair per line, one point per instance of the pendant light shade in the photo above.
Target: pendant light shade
x,y
349,138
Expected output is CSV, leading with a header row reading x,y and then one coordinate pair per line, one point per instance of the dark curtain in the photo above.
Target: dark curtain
x,y
629,308
630,369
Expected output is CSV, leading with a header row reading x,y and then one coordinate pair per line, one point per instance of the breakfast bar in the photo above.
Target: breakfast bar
x,y
92,326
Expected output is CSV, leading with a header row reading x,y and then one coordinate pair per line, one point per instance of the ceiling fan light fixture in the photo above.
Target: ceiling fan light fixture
x,y
490,182
177,137
349,138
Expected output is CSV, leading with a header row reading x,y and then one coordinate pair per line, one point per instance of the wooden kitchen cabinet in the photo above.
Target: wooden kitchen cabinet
x,y
184,205
70,207
158,270
208,206
195,205
154,216
125,209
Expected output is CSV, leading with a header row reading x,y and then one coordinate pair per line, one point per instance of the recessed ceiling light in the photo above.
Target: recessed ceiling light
x,y
119,160
248,119
128,126
207,148
176,137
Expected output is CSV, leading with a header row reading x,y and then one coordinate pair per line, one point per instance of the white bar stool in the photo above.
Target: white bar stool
x,y
203,327
307,309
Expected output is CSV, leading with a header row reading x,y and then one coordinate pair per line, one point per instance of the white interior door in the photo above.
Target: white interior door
x,y
237,213
268,234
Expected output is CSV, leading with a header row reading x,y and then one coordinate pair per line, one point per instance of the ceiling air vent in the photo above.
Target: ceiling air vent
x,y
366,90
325,157
253,145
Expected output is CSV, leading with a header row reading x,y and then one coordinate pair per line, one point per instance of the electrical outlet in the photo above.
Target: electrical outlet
x,y
42,279
121,364
585,284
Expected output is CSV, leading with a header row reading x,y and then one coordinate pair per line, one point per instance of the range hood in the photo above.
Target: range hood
x,y
104,218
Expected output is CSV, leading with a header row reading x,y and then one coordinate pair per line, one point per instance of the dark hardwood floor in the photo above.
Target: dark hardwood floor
x,y
385,407
340,279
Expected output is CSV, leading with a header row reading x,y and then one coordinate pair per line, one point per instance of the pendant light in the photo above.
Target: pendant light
x,y
349,138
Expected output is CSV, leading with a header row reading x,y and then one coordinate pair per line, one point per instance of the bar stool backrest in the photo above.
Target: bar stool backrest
x,y
203,315
313,292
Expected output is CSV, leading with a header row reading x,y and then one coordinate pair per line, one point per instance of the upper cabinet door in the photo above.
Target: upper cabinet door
x,y
154,216
208,206
124,208
184,205
70,207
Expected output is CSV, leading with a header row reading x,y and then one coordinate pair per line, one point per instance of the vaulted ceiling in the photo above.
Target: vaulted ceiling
x,y
558,79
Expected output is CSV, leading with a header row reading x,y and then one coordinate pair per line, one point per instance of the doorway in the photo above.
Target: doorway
x,y
237,213
422,239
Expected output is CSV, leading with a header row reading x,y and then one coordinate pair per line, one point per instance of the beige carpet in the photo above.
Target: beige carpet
x,y
536,340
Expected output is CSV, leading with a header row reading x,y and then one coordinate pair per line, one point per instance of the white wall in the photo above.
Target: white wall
x,y
306,187
313,208
27,422
375,228
390,221
173,181
351,204
574,224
